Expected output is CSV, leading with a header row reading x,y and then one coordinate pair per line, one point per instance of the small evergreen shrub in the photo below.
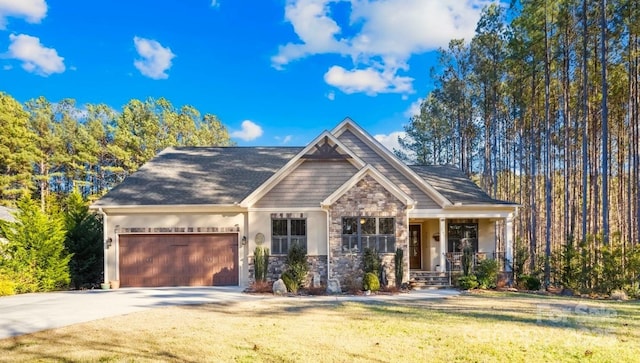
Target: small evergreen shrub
x,y
261,264
370,282
7,287
399,266
371,261
289,282
467,260
487,273
297,265
530,282
468,282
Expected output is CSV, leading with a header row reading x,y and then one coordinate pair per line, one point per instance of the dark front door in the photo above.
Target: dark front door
x,y
415,251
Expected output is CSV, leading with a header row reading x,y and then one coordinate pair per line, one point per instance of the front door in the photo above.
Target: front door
x,y
415,251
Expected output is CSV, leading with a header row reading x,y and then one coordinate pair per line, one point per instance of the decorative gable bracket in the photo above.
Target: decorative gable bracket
x,y
326,151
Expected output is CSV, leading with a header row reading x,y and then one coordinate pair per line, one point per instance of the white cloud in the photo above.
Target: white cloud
x,y
284,140
156,59
331,95
7,67
35,57
250,131
380,37
370,81
414,108
390,141
215,3
31,10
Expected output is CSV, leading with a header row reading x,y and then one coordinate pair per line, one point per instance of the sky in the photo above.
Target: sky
x,y
275,72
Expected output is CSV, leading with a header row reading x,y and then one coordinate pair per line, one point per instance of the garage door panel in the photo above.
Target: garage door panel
x,y
178,260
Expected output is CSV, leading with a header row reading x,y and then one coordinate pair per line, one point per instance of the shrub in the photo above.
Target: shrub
x,y
399,266
297,264
468,282
371,261
7,287
83,241
467,260
529,282
289,282
261,264
34,254
487,273
370,282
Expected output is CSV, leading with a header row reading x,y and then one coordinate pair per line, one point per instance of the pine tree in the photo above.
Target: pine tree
x,y
84,241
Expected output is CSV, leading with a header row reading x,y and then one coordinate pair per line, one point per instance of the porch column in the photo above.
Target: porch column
x,y
443,244
508,242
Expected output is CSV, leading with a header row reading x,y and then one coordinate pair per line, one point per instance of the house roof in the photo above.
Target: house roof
x,y
199,176
225,176
454,185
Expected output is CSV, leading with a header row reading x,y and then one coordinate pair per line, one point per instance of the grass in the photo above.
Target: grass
x,y
479,327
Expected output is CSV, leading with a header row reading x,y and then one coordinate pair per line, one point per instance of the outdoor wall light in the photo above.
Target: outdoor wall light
x,y
244,240
108,242
436,237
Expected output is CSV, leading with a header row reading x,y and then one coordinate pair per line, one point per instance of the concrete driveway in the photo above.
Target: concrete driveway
x,y
28,313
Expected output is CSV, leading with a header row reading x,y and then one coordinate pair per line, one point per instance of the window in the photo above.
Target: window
x,y
461,234
359,233
286,232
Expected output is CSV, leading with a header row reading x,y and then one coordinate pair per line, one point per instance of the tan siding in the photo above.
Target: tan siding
x,y
370,157
308,185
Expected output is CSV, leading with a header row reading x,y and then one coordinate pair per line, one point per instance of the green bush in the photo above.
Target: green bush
x,y
371,261
34,254
468,282
289,282
370,282
297,265
399,266
467,260
261,264
487,273
7,287
529,282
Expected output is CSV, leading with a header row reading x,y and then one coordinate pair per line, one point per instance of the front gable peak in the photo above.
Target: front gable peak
x,y
378,177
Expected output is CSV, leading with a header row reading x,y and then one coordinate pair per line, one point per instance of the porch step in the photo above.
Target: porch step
x,y
420,280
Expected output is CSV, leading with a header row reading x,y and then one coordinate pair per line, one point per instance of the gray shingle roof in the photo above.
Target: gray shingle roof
x,y
199,176
454,185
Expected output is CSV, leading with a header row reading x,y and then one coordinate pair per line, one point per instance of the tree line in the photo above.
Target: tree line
x,y
49,149
541,108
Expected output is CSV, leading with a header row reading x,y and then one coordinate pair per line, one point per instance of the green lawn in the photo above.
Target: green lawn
x,y
478,327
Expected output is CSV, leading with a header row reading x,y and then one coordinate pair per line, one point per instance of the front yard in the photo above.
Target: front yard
x,y
482,327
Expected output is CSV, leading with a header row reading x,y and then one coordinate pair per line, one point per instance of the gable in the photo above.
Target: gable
x,y
308,184
369,156
324,148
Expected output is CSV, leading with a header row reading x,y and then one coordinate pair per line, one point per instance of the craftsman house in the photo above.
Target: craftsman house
x,y
192,216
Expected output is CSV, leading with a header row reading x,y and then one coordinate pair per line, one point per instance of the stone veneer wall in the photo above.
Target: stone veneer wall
x,y
277,265
367,199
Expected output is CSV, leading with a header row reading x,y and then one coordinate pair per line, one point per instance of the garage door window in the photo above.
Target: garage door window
x,y
286,232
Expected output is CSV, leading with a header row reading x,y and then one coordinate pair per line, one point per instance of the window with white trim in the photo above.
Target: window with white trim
x,y
285,232
377,233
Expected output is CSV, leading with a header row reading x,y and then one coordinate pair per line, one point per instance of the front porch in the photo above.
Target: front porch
x,y
436,247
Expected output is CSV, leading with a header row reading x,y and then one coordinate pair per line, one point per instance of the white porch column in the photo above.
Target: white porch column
x,y
508,242
443,244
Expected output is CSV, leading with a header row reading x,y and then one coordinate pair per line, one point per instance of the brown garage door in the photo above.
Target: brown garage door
x,y
154,260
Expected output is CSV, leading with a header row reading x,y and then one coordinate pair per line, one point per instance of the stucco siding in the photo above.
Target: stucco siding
x,y
486,236
260,222
308,185
370,157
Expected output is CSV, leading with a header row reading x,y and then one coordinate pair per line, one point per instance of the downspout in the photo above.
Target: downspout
x,y
104,245
326,210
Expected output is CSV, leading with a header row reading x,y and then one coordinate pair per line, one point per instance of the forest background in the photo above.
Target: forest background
x,y
540,108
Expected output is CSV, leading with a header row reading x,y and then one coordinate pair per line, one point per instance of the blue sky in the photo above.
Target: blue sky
x,y
276,72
